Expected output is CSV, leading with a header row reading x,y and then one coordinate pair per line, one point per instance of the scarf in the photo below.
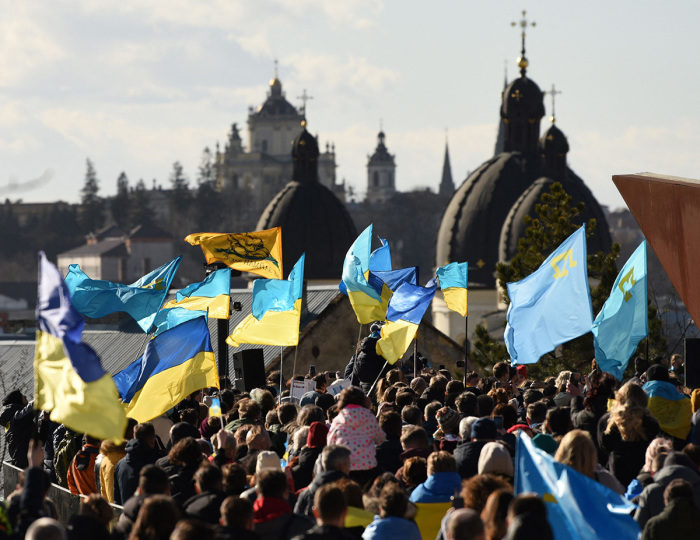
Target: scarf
x,y
269,508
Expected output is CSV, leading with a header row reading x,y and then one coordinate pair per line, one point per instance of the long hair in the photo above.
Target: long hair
x,y
156,519
577,450
628,412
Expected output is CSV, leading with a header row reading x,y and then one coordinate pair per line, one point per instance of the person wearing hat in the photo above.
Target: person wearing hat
x,y
366,364
302,472
447,435
494,458
16,415
467,452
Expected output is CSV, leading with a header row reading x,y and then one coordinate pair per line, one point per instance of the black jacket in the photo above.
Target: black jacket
x,y
204,506
305,502
467,457
324,532
365,366
19,420
389,455
302,472
126,472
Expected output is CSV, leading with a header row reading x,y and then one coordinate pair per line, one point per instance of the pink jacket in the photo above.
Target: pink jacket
x,y
358,429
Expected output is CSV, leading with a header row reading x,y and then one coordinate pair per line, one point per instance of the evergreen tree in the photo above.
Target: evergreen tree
x,y
141,211
120,202
91,205
555,222
208,204
11,239
180,191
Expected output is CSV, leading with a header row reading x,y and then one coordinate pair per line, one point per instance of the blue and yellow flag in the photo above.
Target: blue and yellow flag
x,y
276,311
578,507
379,261
552,305
68,378
365,299
258,252
454,285
623,322
97,298
175,364
208,298
671,409
406,309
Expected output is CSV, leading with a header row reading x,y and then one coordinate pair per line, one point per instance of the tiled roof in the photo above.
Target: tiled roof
x,y
109,246
117,349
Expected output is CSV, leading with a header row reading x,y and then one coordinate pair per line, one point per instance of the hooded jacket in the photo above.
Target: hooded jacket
x,y
680,519
19,422
392,528
126,473
433,498
358,429
651,501
305,502
113,453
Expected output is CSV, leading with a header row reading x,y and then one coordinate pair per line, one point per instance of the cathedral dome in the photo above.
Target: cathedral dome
x,y
514,226
313,220
381,154
470,229
522,99
276,104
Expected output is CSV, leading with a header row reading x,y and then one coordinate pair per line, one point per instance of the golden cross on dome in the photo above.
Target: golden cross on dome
x,y
517,95
523,24
553,93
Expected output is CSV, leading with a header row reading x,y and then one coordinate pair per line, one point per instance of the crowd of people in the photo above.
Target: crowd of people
x,y
427,456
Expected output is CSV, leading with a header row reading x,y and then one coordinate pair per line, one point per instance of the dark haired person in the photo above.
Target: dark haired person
x,y
391,523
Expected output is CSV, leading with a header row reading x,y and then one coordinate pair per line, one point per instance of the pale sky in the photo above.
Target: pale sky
x,y
137,85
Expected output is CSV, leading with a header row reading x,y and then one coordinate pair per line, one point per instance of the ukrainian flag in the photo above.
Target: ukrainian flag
x,y
175,364
208,298
258,252
366,300
97,298
276,311
406,309
68,378
671,409
453,283
379,261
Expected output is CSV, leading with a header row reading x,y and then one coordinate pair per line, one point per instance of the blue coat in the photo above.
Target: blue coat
x,y
391,528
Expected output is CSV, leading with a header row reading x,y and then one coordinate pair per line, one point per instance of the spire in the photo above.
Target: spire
x,y
523,23
447,185
553,93
304,97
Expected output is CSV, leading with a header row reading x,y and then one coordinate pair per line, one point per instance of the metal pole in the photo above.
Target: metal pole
x,y
415,356
466,347
294,368
279,399
222,347
377,379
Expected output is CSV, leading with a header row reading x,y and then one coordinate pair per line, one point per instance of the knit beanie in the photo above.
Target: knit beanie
x,y
495,459
318,432
448,422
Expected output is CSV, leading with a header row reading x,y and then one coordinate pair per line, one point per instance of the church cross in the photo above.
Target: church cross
x,y
523,23
304,97
553,92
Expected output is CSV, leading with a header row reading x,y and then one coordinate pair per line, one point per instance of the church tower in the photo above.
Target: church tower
x,y
447,185
381,171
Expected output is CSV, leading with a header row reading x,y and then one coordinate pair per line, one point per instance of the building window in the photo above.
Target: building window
x,y
375,179
264,146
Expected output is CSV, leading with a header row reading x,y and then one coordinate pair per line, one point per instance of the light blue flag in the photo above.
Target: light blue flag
x,y
97,298
278,294
578,507
623,322
170,318
552,305
379,261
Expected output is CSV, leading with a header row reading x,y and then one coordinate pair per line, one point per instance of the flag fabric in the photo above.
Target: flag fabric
x,y
379,261
174,364
623,322
365,299
671,409
552,305
97,298
208,298
578,507
68,378
453,283
276,311
258,252
406,309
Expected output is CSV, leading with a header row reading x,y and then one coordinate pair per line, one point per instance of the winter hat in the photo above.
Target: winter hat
x,y
318,432
325,401
14,397
448,422
376,326
209,426
308,399
267,460
657,372
517,427
495,459
546,443
484,428
181,430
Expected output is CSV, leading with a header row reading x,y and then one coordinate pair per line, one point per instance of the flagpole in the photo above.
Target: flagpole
x,y
279,402
415,356
294,368
466,347
369,394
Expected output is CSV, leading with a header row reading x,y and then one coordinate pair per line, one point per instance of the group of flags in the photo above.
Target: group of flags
x,y
179,359
553,305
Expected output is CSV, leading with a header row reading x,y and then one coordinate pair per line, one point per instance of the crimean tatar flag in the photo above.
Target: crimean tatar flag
x,y
453,283
552,305
406,309
276,311
68,378
142,299
208,298
174,364
624,321
258,252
